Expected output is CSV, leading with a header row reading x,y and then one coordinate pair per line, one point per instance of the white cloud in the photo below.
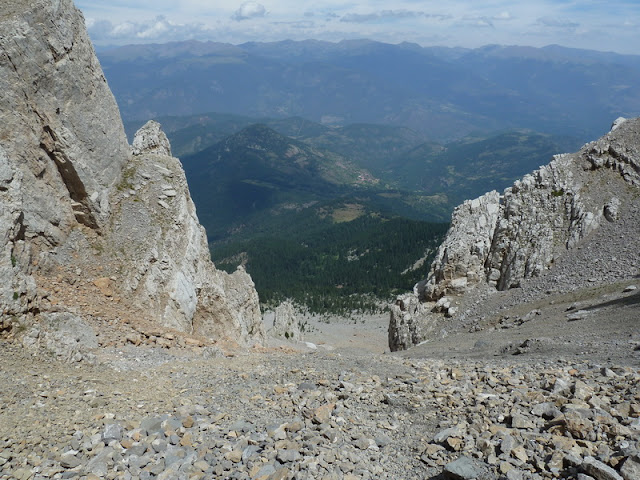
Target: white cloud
x,y
427,22
483,22
556,22
503,16
159,29
389,15
249,10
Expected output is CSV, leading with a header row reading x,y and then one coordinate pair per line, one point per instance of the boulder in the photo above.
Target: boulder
x,y
285,323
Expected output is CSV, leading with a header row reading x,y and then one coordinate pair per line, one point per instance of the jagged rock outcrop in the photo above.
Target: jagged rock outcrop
x,y
151,139
79,205
165,256
497,241
285,323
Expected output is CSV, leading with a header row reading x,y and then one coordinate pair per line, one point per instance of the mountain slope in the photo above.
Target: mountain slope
x,y
351,260
443,93
570,224
467,168
257,170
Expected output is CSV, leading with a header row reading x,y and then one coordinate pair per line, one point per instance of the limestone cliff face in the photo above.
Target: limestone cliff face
x,y
497,241
165,261
76,203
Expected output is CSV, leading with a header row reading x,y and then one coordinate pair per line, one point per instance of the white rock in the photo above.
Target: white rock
x,y
151,139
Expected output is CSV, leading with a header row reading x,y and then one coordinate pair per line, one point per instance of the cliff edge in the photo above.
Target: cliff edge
x,y
499,242
91,228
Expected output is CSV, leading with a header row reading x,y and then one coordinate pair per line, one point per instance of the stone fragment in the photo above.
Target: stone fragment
x,y
443,435
466,468
235,456
70,460
288,456
281,474
151,139
111,432
599,470
105,285
631,468
323,413
285,323
612,210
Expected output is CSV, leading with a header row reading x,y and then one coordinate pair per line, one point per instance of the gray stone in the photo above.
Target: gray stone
x,y
465,468
159,445
443,435
152,425
546,410
599,470
631,468
288,456
612,210
285,323
112,431
66,336
382,440
99,465
266,471
151,139
70,460
579,315
250,452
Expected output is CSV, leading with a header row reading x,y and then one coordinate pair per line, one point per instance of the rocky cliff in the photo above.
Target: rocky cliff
x,y
87,221
497,242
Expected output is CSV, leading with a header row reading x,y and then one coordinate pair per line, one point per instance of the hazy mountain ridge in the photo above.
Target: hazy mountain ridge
x,y
440,92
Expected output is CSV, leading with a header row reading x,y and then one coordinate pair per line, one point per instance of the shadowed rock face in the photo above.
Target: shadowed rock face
x,y
498,241
76,201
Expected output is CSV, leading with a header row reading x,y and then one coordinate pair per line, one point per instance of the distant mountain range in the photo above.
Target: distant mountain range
x,y
442,93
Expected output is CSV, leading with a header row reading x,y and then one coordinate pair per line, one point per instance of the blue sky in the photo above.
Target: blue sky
x,y
598,25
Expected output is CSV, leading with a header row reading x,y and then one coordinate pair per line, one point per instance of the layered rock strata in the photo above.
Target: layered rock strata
x,y
79,205
497,241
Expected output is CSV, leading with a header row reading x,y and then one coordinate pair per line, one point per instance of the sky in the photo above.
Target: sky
x,y
612,25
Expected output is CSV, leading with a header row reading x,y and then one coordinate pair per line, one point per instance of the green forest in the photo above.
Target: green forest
x,y
345,268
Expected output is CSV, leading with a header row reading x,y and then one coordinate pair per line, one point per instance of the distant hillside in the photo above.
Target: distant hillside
x,y
369,144
337,263
470,167
258,172
442,93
